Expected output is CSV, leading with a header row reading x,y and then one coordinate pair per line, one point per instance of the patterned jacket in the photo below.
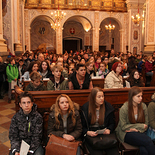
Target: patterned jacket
x,y
27,128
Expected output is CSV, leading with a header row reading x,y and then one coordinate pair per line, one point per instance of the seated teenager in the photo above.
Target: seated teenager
x,y
133,122
97,114
64,73
103,71
80,79
26,125
114,79
35,84
135,79
90,68
32,67
64,120
57,81
45,70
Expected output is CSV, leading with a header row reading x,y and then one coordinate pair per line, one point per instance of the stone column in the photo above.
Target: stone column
x,y
135,30
59,40
150,27
121,40
23,26
3,46
95,46
16,23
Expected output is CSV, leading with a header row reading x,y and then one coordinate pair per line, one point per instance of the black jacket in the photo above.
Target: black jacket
x,y
27,128
109,121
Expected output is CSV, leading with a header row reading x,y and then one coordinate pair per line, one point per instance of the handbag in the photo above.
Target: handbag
x,y
151,133
102,141
60,146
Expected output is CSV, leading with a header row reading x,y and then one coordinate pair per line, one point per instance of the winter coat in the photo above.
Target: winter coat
x,y
148,66
11,72
109,121
113,81
151,112
41,87
74,130
63,84
27,128
124,123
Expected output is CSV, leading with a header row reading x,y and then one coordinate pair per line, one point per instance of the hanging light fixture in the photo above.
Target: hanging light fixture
x,y
110,27
137,18
58,16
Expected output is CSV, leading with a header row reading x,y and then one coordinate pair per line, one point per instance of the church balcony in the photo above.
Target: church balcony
x,y
95,5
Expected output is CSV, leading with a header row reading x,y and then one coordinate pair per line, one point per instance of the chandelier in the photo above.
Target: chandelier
x,y
58,15
110,27
137,18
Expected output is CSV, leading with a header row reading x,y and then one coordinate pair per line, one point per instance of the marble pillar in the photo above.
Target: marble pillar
x,y
95,45
16,23
135,44
3,46
59,40
150,27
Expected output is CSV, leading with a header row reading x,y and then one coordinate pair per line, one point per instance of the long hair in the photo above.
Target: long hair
x,y
48,67
92,107
132,80
141,118
58,110
31,66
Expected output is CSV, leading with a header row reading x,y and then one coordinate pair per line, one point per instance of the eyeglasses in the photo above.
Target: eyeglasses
x,y
120,66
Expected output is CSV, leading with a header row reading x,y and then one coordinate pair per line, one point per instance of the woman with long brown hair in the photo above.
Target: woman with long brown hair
x,y
97,114
133,122
64,120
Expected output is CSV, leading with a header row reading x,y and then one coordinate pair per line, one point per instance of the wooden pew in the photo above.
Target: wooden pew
x,y
97,82
45,99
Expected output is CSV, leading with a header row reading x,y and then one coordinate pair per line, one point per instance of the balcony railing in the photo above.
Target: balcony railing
x,y
101,5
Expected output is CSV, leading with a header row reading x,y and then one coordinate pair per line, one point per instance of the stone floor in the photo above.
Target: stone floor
x,y
7,110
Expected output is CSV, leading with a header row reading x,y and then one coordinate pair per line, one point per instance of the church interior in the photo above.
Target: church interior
x,y
64,25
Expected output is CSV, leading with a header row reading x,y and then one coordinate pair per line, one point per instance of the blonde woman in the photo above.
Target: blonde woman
x,y
64,120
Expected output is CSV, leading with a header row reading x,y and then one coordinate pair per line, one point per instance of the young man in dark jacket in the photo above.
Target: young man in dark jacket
x,y
26,125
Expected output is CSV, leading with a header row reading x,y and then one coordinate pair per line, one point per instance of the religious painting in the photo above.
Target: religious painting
x,y
135,35
134,50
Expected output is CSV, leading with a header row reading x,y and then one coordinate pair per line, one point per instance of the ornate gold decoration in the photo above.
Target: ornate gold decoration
x,y
110,27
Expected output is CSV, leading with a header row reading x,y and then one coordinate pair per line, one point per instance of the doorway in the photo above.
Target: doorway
x,y
74,44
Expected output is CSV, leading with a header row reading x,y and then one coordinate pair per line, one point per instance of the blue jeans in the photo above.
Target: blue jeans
x,y
141,140
39,151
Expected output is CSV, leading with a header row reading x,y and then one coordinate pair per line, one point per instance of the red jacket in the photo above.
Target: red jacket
x,y
148,66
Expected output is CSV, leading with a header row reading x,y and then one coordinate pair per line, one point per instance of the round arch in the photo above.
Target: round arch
x,y
42,36
80,18
110,39
114,18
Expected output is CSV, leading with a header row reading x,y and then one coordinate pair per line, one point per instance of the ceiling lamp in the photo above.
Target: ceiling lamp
x,y
58,16
55,26
136,19
110,27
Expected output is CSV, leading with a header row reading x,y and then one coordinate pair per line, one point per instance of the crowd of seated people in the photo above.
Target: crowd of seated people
x,y
111,66
74,71
95,119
